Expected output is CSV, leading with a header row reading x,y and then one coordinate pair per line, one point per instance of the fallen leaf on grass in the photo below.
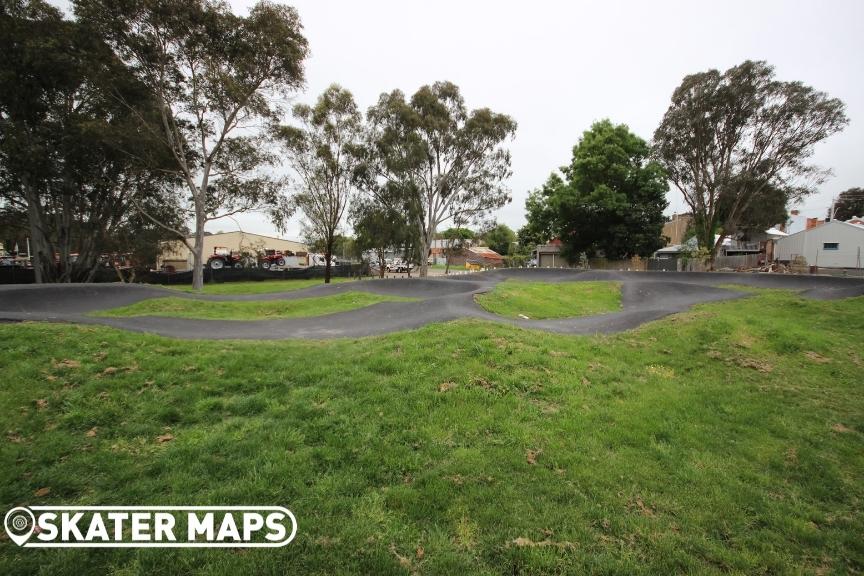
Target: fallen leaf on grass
x,y
42,492
531,455
403,561
91,433
643,508
816,357
522,542
165,438
763,367
445,386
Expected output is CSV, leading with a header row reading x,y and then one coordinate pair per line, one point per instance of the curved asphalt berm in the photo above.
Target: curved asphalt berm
x,y
645,296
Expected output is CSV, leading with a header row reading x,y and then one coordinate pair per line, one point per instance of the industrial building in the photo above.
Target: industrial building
x,y
174,253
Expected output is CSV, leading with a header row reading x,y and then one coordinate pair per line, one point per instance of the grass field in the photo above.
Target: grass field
x,y
257,287
251,310
726,439
540,300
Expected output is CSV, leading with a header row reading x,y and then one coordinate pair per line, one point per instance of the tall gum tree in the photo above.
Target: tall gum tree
x,y
728,136
64,169
321,153
218,78
448,163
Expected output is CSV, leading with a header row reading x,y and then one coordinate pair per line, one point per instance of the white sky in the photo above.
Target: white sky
x,y
558,66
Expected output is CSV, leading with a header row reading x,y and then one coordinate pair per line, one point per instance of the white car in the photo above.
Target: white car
x,y
399,266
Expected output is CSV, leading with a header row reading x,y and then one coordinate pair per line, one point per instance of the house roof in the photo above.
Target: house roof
x,y
775,232
485,252
830,223
247,234
548,248
673,249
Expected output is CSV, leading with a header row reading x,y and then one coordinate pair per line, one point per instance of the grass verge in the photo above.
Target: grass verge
x,y
538,300
250,310
725,439
257,287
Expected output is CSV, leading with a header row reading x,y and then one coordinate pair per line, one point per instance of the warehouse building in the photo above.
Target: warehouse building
x,y
833,244
174,253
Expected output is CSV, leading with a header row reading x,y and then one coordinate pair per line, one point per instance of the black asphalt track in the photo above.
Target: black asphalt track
x,y
646,296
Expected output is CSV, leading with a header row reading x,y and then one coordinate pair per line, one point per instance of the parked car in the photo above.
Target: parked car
x,y
399,266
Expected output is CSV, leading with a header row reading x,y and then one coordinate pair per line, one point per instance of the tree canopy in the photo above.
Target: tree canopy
x,y
728,136
849,204
610,200
445,162
321,153
69,146
500,238
215,76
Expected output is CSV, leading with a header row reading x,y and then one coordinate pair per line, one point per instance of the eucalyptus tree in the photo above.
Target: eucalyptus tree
x,y
217,78
65,173
321,152
850,203
378,227
447,162
728,136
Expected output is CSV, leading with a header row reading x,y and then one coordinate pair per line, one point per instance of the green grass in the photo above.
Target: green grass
x,y
727,439
538,300
250,310
257,287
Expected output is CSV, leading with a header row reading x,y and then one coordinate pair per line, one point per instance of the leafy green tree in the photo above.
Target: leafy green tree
x,y
69,149
767,209
446,161
611,199
456,238
849,204
216,78
500,238
726,136
540,215
320,152
378,227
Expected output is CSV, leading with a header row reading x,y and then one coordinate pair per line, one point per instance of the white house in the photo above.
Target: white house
x,y
834,244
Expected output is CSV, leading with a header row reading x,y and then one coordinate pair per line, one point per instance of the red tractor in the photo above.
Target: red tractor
x,y
271,258
224,258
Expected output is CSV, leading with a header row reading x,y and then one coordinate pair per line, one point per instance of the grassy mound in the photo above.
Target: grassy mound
x,y
257,287
538,300
250,310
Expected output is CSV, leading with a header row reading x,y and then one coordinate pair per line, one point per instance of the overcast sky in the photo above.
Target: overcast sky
x,y
557,66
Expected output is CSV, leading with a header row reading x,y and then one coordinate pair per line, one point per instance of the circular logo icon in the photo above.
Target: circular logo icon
x,y
19,523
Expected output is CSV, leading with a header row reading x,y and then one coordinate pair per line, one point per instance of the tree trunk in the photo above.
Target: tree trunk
x,y
381,263
424,254
198,255
328,257
41,256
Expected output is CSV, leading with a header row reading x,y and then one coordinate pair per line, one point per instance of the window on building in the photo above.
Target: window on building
x,y
830,246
